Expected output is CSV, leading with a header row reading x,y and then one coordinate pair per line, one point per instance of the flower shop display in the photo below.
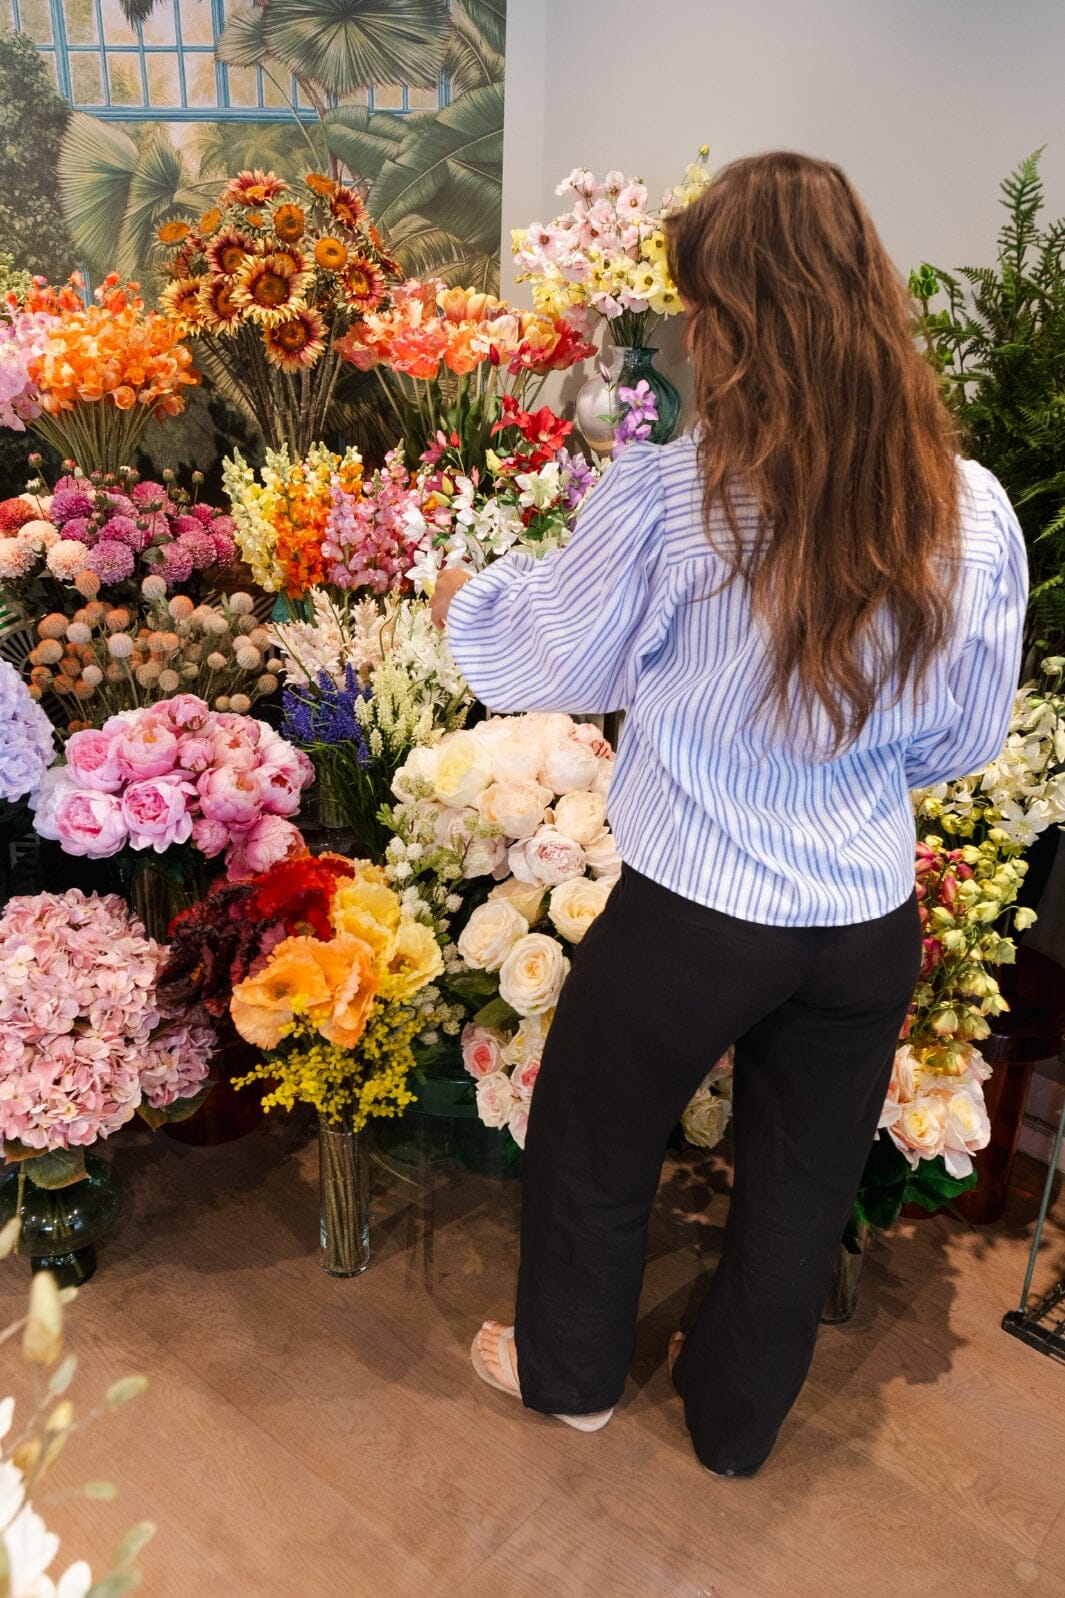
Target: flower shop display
x,y
268,282
447,357
321,967
501,833
105,660
30,1449
365,684
84,1049
95,373
102,536
605,258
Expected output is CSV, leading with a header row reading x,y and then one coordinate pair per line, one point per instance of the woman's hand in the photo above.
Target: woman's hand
x,y
447,586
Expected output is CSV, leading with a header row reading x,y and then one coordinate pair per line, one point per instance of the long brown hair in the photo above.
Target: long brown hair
x,y
812,396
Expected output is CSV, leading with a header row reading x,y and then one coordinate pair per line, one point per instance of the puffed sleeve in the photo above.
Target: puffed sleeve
x,y
568,631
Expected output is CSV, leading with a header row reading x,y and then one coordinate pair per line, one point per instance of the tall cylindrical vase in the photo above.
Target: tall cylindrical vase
x,y
841,1299
344,1187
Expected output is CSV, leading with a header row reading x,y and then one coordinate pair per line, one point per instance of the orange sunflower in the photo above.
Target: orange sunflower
x,y
347,207
296,344
290,223
318,183
364,282
209,222
254,187
181,301
269,291
330,254
228,252
219,311
173,232
255,219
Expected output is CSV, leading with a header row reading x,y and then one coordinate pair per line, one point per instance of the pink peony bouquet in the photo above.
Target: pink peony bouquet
x,y
82,1044
518,802
177,773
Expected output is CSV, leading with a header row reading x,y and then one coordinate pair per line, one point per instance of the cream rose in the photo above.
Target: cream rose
x,y
580,816
602,855
967,1129
516,759
525,897
494,1099
531,976
518,1121
570,767
550,727
462,770
705,1119
547,858
516,808
490,934
575,905
419,768
920,1130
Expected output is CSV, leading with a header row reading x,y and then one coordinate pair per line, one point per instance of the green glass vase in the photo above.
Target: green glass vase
x,y
638,365
61,1226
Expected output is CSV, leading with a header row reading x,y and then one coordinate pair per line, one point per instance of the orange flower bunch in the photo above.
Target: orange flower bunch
x,y
429,326
446,359
268,280
107,368
282,520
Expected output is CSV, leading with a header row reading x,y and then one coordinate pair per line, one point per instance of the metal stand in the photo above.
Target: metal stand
x,y
1043,1326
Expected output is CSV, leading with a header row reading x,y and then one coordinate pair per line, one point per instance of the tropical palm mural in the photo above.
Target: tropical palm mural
x,y
403,97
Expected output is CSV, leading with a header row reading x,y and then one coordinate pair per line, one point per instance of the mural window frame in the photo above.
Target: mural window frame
x,y
80,55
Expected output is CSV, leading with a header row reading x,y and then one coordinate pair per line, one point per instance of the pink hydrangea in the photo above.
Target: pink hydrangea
x,y
77,1013
176,1064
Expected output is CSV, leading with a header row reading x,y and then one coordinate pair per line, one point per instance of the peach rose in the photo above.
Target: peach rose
x,y
531,976
489,935
516,808
570,767
481,1050
580,816
527,898
576,904
494,1099
547,858
518,1121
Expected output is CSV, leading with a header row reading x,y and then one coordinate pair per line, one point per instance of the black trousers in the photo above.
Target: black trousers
x,y
660,988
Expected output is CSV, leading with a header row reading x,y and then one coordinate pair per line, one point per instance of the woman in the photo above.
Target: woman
x,y
807,609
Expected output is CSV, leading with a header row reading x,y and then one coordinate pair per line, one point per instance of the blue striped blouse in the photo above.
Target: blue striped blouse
x,y
711,797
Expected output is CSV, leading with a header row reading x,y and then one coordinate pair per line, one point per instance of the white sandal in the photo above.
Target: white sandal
x,y
580,1423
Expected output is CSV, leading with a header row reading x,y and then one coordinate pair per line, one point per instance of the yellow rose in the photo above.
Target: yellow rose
x,y
414,961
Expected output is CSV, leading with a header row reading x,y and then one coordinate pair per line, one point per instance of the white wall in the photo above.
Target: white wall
x,y
927,104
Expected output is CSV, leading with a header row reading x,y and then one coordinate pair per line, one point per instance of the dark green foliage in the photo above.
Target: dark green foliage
x,y
1000,345
889,1182
32,120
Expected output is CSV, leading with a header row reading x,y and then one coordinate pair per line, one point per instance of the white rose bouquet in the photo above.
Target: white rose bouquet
x,y
501,843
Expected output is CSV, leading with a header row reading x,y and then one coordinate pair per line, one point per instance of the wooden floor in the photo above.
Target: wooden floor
x,y
308,1438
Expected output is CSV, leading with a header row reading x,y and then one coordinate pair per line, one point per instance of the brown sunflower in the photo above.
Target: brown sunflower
x,y
173,232
347,207
269,291
181,301
318,183
364,282
291,261
330,254
228,251
290,223
219,311
296,343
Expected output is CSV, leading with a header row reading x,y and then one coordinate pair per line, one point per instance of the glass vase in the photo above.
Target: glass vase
x,y
622,366
61,1226
344,1188
841,1299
